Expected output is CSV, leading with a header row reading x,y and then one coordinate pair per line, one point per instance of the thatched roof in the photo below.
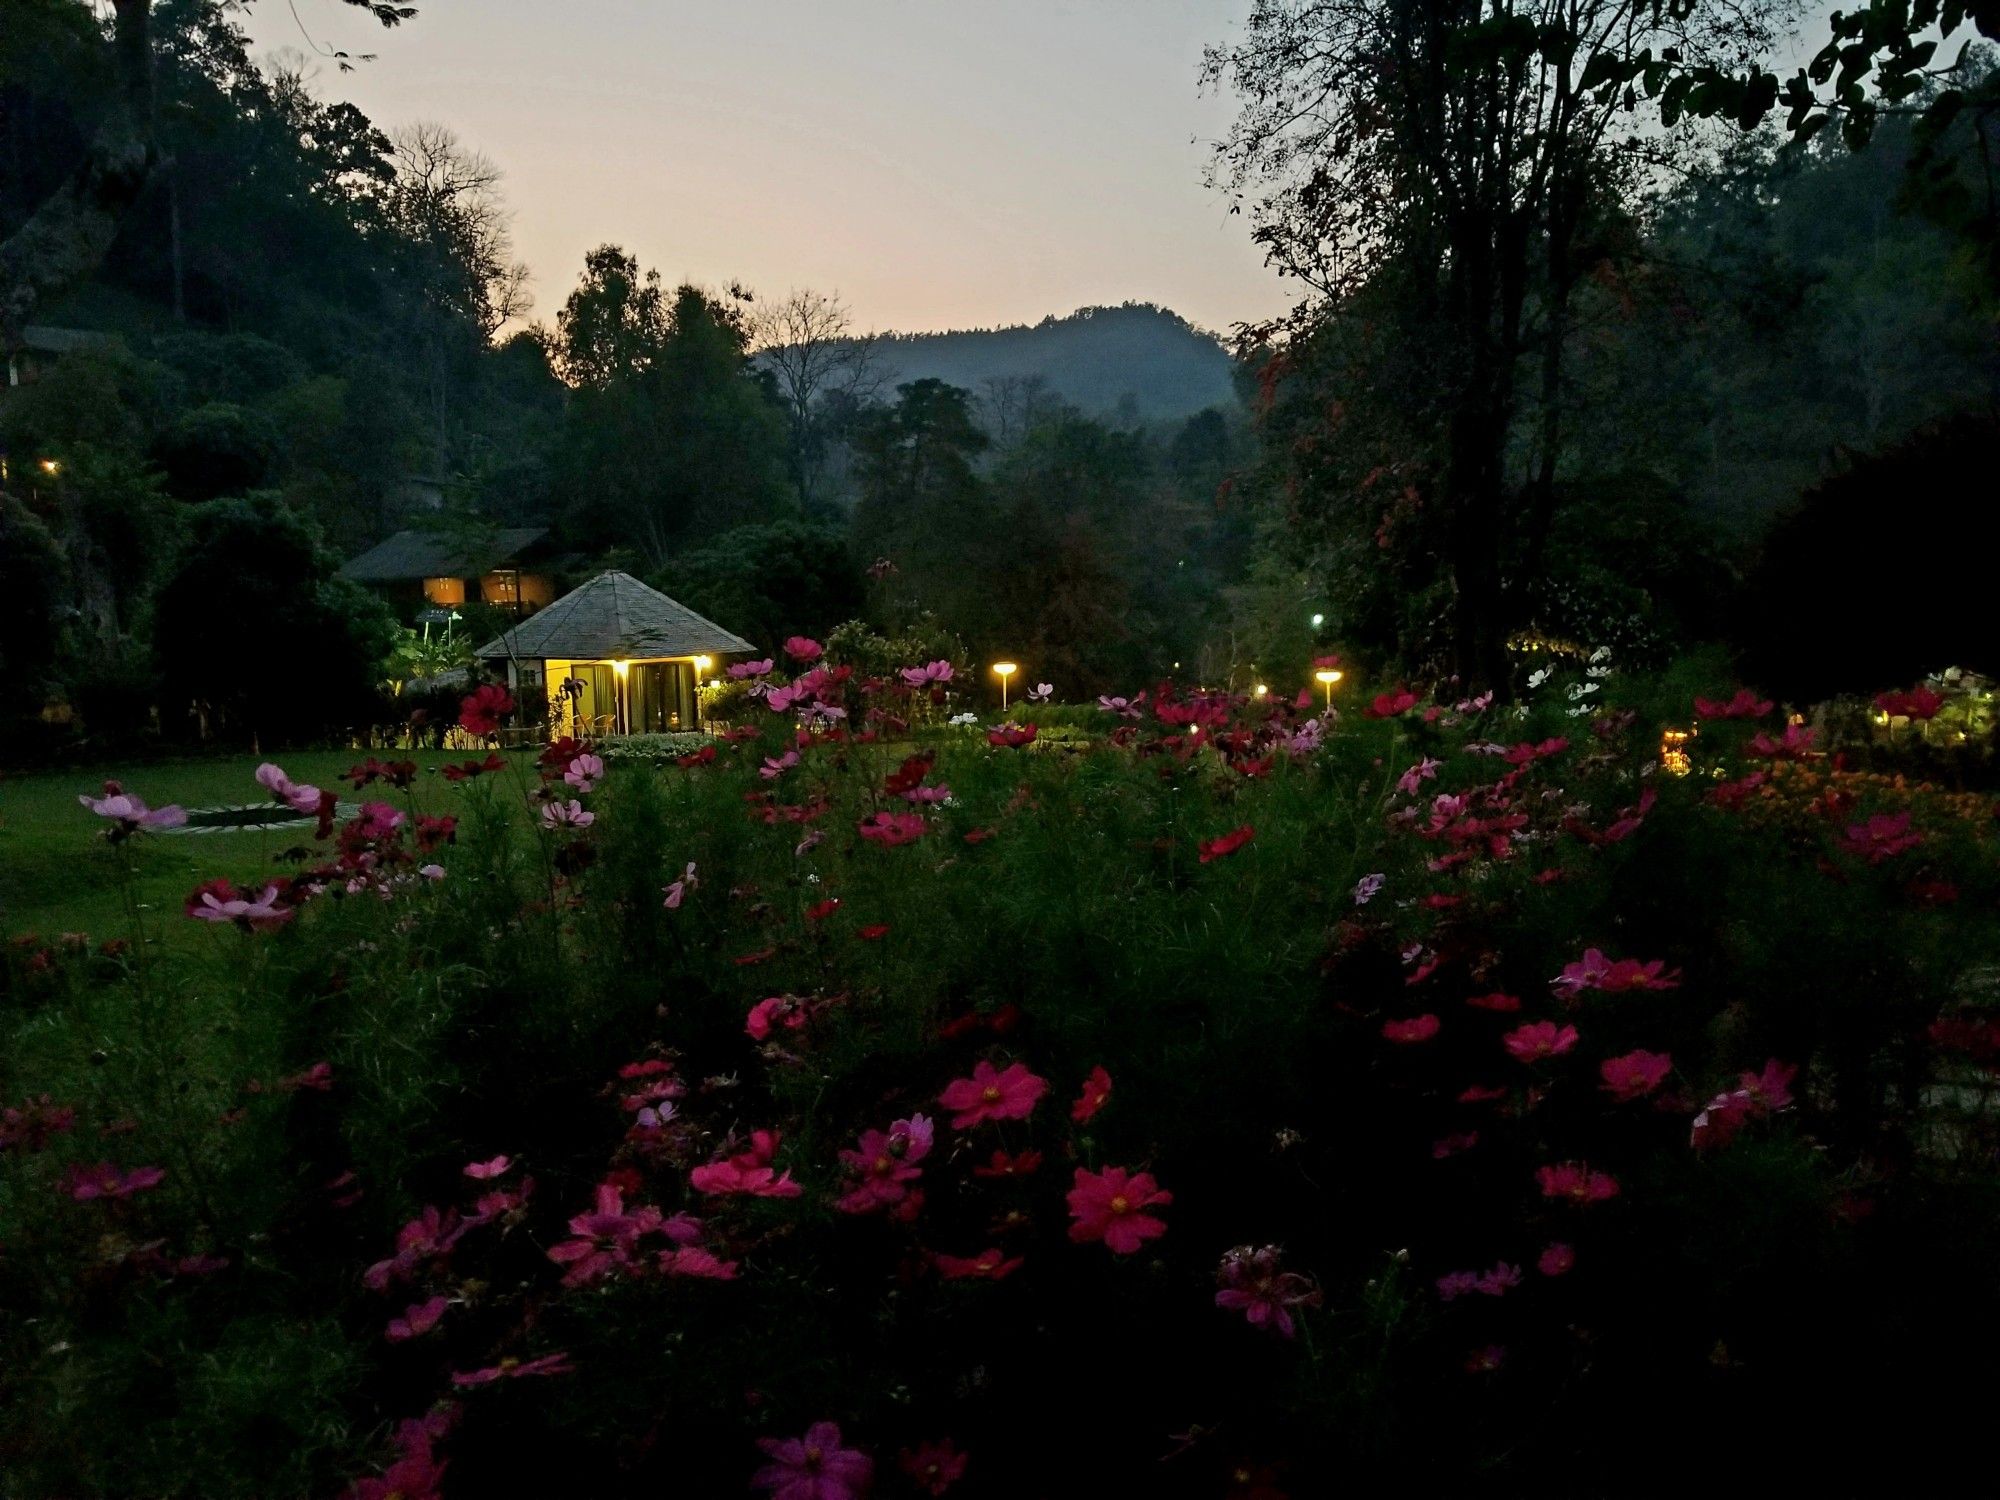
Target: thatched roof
x,y
611,617
412,555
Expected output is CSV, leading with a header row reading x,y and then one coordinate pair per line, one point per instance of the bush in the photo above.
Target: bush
x,y
1517,1100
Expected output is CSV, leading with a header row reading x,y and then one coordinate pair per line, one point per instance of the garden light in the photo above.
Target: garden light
x,y
1318,620
1327,677
1003,670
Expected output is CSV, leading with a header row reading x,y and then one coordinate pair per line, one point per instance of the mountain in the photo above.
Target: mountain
x,y
1095,359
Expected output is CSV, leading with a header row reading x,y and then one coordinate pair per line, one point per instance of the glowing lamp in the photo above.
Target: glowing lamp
x,y
1327,677
50,466
701,664
1003,670
1318,620
1262,690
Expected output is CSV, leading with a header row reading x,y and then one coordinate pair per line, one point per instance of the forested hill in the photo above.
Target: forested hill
x,y
1094,359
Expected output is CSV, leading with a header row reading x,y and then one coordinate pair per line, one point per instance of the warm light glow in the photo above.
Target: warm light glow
x,y
702,664
1005,668
1318,620
621,667
1262,690
1328,676
1674,758
50,466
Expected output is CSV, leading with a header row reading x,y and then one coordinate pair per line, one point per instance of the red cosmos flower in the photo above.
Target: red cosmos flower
x,y
1096,1089
103,1180
987,1265
466,770
482,712
606,1237
890,829
1539,1039
1882,836
1389,705
1557,1259
36,1120
705,756
1446,1146
1576,1182
416,1473
1497,1001
933,1467
1110,1206
514,1369
1227,844
1003,1165
1918,703
979,835
1413,1029
819,911
1634,1075
1011,736
990,1094
1745,705
872,932
418,1319
1480,1094
884,1164
1731,795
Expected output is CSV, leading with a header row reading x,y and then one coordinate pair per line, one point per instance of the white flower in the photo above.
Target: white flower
x,y
964,719
1539,676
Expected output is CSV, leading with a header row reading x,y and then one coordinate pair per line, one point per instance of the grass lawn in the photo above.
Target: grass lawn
x,y
57,874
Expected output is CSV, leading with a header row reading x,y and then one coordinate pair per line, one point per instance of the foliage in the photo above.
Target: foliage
x,y
1526,1229
769,582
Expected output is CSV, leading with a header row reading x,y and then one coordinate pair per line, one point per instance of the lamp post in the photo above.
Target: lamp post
x,y
619,670
1003,670
1328,677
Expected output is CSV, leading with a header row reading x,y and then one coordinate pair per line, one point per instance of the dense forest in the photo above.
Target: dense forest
x,y
310,331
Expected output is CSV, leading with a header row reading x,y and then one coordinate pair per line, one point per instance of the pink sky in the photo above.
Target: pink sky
x,y
941,163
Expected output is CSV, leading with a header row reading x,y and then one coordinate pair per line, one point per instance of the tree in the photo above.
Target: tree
x,y
807,341
1443,174
254,635
67,237
768,583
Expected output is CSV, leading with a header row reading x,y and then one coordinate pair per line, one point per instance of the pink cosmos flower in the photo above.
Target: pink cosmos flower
x,y
1368,887
694,1262
584,772
1596,972
891,829
884,1165
1424,770
987,1265
1882,836
742,669
773,1011
514,1369
570,814
938,672
128,814
1794,745
418,1319
1576,1182
774,767
1538,1040
486,1171
933,1467
1226,844
1498,1001
676,892
1919,703
298,797
1253,1282
256,914
1557,1259
1745,705
803,648
1125,708
813,1467
1096,1089
1041,692
605,1237
1110,1206
748,1173
1634,1075
103,1180
1413,1029
1756,1095
990,1094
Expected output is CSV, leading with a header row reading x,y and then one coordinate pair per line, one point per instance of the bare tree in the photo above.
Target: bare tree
x,y
447,202
807,341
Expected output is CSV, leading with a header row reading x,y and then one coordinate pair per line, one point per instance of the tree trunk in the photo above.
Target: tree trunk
x,y
66,239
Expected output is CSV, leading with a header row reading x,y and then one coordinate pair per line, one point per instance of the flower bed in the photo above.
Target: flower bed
x,y
1249,1102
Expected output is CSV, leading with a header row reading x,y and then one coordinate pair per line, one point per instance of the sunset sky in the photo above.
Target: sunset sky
x,y
942,165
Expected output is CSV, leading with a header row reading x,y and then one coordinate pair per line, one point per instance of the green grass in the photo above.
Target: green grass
x,y
57,874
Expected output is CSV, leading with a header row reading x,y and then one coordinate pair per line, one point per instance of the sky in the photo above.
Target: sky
x,y
938,163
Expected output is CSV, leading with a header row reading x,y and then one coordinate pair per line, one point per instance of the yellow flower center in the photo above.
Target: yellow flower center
x,y
991,1094
1121,1204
